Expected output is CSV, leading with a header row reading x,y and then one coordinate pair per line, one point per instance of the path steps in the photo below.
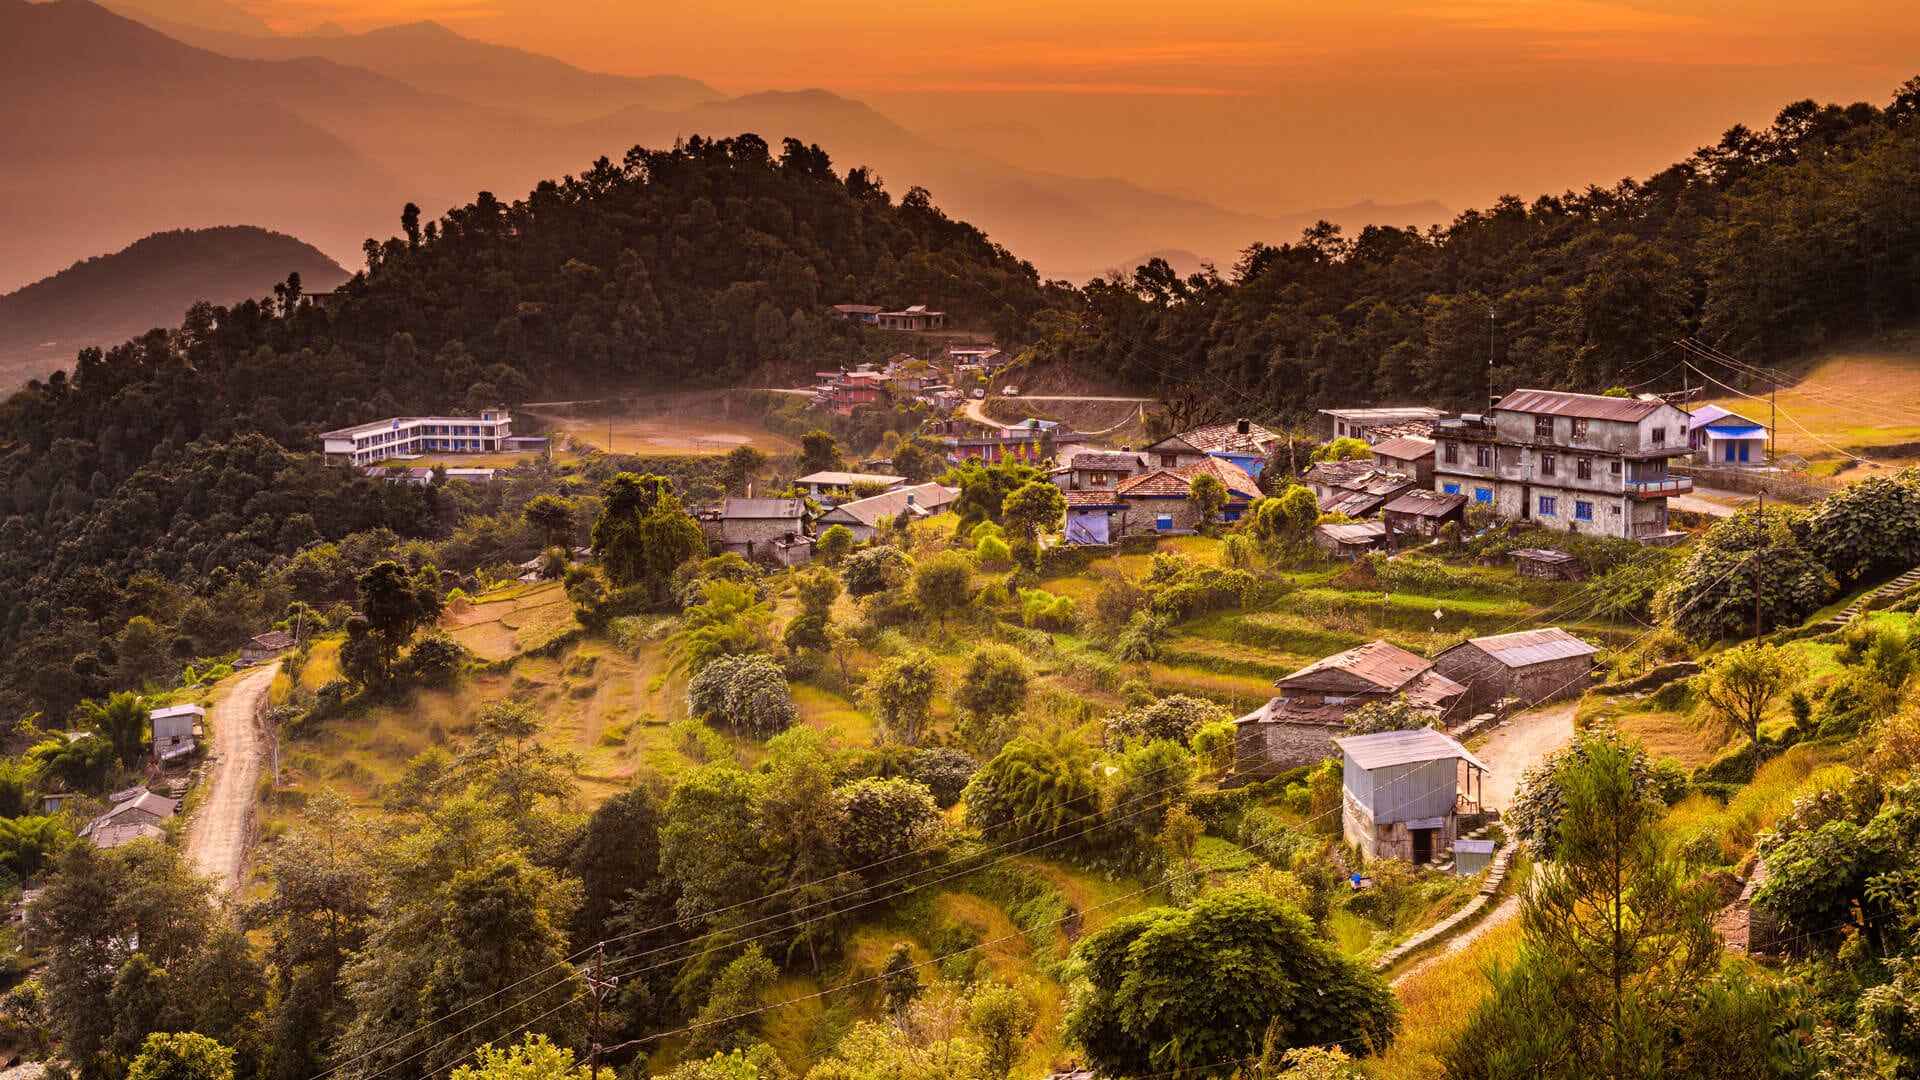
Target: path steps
x,y
1496,873
1905,581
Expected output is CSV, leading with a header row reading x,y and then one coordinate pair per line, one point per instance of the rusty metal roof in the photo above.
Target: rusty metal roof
x,y
1381,663
1529,647
1387,749
739,509
1404,448
1585,406
1423,503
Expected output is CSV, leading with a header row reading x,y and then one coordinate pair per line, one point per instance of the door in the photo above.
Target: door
x,y
1526,504
1422,846
1743,450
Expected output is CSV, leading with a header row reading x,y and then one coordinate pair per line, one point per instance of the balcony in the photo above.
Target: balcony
x,y
1659,489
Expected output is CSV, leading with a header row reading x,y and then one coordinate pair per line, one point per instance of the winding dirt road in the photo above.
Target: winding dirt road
x,y
221,834
1515,746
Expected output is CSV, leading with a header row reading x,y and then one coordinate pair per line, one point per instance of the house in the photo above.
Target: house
x,y
795,549
978,356
1365,494
1324,477
1366,423
1243,442
1407,455
135,806
1312,705
1403,793
749,527
1160,501
1097,470
1094,517
107,837
53,802
1531,666
830,485
173,728
914,319
411,436
1585,463
1350,541
863,516
865,314
843,390
1030,443
1718,436
1423,512
1547,564
265,646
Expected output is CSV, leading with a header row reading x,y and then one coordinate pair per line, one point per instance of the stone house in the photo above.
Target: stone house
x,y
862,517
1094,517
749,527
1327,477
1243,442
1407,455
1403,793
1160,501
134,813
1312,704
1531,666
265,646
1368,423
1097,470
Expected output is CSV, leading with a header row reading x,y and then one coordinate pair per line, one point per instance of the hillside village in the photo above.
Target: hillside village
x,y
712,620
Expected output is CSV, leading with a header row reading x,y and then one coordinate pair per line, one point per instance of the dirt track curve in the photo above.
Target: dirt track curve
x,y
221,834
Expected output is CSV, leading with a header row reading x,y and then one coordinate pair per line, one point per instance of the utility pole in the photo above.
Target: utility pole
x,y
1759,565
599,987
1492,331
1773,416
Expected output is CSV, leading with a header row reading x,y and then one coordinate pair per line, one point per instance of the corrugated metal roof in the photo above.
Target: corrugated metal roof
x,y
1110,461
928,497
1423,503
847,479
1528,647
1743,431
1473,847
1383,415
1405,448
177,710
1386,749
1381,663
738,509
1586,406
1360,532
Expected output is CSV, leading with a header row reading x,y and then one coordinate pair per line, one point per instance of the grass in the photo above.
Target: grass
x,y
666,435
508,622
828,712
1436,1001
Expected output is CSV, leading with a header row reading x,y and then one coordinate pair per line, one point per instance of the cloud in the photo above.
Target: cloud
x,y
1557,16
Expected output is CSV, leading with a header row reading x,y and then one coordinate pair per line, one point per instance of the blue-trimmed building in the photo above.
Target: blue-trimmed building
x,y
1721,437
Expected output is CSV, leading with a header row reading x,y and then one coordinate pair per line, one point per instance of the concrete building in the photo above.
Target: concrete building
x,y
914,319
862,517
410,436
751,527
1531,666
1718,436
1365,423
1312,704
1408,455
1243,442
173,728
1583,463
1403,793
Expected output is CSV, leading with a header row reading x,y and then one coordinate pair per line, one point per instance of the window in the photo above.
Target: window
x,y
1168,461
1483,456
1616,469
1659,436
1483,495
1451,452
1579,429
1450,489
1098,479
1583,468
1543,427
1546,464
1163,522
1582,511
1549,505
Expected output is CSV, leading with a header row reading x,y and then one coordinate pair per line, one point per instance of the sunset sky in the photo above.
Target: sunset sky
x,y
1261,105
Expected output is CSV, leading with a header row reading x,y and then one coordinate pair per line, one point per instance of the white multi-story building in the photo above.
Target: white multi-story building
x,y
1583,463
411,436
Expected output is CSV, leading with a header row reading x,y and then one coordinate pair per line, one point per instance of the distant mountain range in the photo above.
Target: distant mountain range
x,y
106,300
192,113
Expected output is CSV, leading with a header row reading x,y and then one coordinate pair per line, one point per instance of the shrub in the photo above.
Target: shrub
x,y
749,692
1046,611
435,660
876,569
1174,718
886,822
944,771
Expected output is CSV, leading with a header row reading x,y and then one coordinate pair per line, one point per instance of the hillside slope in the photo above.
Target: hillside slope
x,y
109,298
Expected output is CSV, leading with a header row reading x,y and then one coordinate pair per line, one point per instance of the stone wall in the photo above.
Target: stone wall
x,y
1269,748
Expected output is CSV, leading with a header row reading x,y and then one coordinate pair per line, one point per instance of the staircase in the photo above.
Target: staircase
x,y
1905,581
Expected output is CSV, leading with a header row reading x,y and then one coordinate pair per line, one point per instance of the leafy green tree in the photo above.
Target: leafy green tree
x,y
183,1056
1001,1018
817,592
750,693
943,585
992,692
1174,718
142,651
876,569
1711,595
1195,990
1742,683
744,465
712,846
1035,789
884,822
618,854
553,518
984,490
819,452
1868,527
643,533
758,1062
944,770
730,620
507,766
834,544
918,462
122,721
1343,449
900,692
1034,508
1207,495
395,605
1540,803
730,1018
900,980
1142,783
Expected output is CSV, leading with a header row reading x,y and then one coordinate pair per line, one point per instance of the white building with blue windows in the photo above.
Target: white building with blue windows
x,y
1582,463
1722,437
412,436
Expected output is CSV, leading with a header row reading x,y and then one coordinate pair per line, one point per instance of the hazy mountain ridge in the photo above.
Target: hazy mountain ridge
x,y
107,299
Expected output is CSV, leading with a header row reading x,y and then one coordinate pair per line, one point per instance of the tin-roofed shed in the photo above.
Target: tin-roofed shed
x,y
1404,793
1531,666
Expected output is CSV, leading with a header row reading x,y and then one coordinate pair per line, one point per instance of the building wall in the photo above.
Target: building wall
x,y
1269,748
1488,680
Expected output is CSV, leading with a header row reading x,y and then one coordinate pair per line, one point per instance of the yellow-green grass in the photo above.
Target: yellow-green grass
x,y
322,665
508,622
829,713
1436,1001
1234,691
792,1024
1755,807
667,435
1852,401
1670,735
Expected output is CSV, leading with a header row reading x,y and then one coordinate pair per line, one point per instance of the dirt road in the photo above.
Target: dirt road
x,y
221,834
1516,745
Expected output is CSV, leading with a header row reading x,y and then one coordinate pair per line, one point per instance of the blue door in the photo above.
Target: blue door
x,y
1743,449
1730,446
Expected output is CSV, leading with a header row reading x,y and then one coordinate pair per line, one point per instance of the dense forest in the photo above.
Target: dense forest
x,y
1768,244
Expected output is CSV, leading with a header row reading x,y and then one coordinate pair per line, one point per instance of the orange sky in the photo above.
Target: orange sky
x,y
1263,105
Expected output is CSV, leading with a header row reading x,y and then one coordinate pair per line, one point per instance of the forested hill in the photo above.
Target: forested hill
x,y
688,266
110,298
1767,244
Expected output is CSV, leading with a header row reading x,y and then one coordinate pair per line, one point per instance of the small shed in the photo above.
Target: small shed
x,y
1403,793
1548,564
1409,455
265,646
1423,512
1531,666
1471,856
173,726
1353,540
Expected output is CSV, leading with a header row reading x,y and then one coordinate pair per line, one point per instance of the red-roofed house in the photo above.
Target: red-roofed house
x,y
1312,706
1160,501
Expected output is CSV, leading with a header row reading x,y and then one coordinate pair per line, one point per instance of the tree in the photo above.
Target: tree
x,y
727,1021
876,569
507,766
553,518
915,461
1034,789
1868,527
395,605
900,980
1343,449
1174,718
744,464
993,689
142,651
834,544
1741,683
1195,990
1001,1017
819,452
122,721
943,585
643,533
534,1057
730,620
750,693
712,845
618,855
1034,508
817,591
899,693
185,1056
1207,495
883,823
1540,803
1712,593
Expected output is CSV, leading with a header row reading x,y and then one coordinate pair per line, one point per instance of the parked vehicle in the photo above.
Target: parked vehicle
x,y
978,394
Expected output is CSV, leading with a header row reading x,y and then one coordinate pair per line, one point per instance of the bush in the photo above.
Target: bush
x,y
1045,611
944,771
886,822
435,660
1174,718
876,569
749,692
